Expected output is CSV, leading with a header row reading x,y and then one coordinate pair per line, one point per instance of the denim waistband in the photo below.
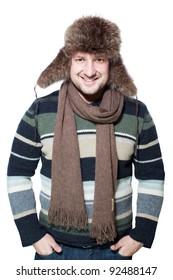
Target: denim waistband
x,y
96,246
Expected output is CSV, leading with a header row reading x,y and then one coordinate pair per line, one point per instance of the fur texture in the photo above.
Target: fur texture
x,y
93,35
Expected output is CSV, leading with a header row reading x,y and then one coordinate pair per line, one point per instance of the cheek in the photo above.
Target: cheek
x,y
106,75
105,71
74,70
72,73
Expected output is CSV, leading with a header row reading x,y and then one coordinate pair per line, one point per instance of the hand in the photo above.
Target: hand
x,y
46,245
127,246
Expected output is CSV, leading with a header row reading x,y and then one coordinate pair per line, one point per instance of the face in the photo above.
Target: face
x,y
89,73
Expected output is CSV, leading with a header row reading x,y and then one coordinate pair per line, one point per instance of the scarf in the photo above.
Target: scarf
x,y
67,207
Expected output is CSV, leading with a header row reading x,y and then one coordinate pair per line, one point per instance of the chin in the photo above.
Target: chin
x,y
90,90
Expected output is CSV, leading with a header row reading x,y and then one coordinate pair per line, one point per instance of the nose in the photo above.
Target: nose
x,y
89,69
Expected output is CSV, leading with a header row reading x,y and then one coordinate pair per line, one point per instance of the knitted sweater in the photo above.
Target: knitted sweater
x,y
138,153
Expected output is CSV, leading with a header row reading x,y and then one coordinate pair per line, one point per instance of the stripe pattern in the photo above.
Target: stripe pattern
x,y
33,142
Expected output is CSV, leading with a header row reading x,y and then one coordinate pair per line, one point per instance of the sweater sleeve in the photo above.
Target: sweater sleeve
x,y
149,171
23,161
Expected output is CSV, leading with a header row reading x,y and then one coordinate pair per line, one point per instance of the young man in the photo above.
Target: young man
x,y
88,137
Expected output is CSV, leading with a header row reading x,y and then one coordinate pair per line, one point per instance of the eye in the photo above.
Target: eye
x,y
100,59
79,59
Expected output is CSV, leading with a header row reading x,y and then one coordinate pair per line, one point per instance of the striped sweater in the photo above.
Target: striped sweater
x,y
138,153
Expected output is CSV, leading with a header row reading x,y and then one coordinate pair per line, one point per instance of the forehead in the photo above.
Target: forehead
x,y
86,54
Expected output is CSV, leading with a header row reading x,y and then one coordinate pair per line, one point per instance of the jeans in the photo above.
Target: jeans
x,y
74,253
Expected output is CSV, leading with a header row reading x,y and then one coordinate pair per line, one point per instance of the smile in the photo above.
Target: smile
x,y
88,80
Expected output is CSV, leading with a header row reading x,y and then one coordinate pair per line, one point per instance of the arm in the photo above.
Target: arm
x,y
23,161
149,171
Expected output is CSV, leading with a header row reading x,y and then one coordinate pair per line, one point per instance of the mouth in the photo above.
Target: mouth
x,y
86,80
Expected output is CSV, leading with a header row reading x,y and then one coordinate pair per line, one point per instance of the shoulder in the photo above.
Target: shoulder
x,y
46,103
52,97
133,106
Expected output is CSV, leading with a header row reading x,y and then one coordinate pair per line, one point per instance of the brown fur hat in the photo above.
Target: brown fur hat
x,y
90,34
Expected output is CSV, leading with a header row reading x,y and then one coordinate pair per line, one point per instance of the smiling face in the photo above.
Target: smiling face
x,y
89,73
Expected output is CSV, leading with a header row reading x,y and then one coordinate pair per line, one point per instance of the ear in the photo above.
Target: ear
x,y
121,80
56,71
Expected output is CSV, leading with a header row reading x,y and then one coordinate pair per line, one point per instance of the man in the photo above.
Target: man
x,y
88,136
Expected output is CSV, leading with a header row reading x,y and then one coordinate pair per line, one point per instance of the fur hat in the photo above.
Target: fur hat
x,y
90,34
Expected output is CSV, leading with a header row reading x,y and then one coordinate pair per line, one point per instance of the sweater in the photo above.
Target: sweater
x,y
138,153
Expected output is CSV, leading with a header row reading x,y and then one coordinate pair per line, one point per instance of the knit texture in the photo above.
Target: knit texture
x,y
33,142
67,206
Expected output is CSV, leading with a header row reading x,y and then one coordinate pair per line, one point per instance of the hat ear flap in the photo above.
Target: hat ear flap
x,y
120,79
56,71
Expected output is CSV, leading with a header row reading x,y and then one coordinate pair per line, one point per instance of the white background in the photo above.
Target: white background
x,y
31,33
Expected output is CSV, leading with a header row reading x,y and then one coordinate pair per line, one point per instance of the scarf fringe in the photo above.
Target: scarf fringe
x,y
62,217
103,233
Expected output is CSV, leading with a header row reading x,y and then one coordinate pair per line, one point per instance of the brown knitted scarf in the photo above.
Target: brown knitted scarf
x,y
67,206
